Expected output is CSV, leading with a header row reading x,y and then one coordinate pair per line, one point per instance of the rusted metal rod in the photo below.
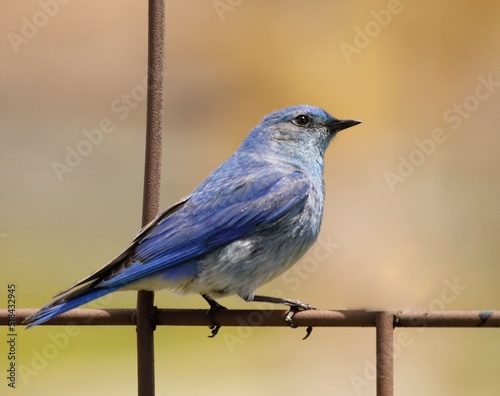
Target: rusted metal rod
x,y
268,318
385,362
485,318
151,198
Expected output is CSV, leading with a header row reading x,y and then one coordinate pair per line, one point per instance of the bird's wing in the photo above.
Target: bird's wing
x,y
199,228
193,228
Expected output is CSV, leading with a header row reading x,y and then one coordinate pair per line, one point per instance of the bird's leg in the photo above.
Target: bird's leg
x,y
214,307
295,306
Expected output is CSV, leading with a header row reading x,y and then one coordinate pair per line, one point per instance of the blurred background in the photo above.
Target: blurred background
x,y
412,210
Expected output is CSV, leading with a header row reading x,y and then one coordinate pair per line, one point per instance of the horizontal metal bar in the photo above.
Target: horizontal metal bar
x,y
266,318
485,318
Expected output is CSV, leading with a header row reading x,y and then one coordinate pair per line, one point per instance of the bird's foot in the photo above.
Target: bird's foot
x,y
297,306
214,307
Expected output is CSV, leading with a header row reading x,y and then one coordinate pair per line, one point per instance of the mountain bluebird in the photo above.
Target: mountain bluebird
x,y
246,224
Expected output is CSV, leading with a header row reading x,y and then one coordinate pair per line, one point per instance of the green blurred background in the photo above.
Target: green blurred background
x,y
395,235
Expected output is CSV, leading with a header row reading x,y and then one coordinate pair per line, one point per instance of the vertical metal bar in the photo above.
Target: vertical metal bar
x,y
151,199
385,364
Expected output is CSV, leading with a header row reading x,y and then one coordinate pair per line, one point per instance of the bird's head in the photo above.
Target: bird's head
x,y
301,129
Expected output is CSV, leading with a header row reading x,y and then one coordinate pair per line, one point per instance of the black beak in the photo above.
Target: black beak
x,y
337,125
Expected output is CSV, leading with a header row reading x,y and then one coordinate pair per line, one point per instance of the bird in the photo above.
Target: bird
x,y
251,220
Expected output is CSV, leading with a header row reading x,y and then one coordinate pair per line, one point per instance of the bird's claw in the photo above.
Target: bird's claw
x,y
214,307
297,306
215,330
309,330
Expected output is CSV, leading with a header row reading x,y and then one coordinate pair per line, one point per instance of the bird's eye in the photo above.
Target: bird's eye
x,y
301,120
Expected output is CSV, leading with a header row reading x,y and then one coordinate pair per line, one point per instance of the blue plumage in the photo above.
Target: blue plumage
x,y
247,223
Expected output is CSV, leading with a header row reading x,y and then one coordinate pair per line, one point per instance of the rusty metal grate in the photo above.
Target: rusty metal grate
x,y
383,321
147,317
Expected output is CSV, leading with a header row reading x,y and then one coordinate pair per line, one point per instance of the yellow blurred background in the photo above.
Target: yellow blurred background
x,y
412,213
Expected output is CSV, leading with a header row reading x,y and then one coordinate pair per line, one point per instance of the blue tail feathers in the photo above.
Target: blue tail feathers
x,y
60,306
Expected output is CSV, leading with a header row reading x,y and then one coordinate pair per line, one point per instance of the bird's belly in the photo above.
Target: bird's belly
x,y
241,267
